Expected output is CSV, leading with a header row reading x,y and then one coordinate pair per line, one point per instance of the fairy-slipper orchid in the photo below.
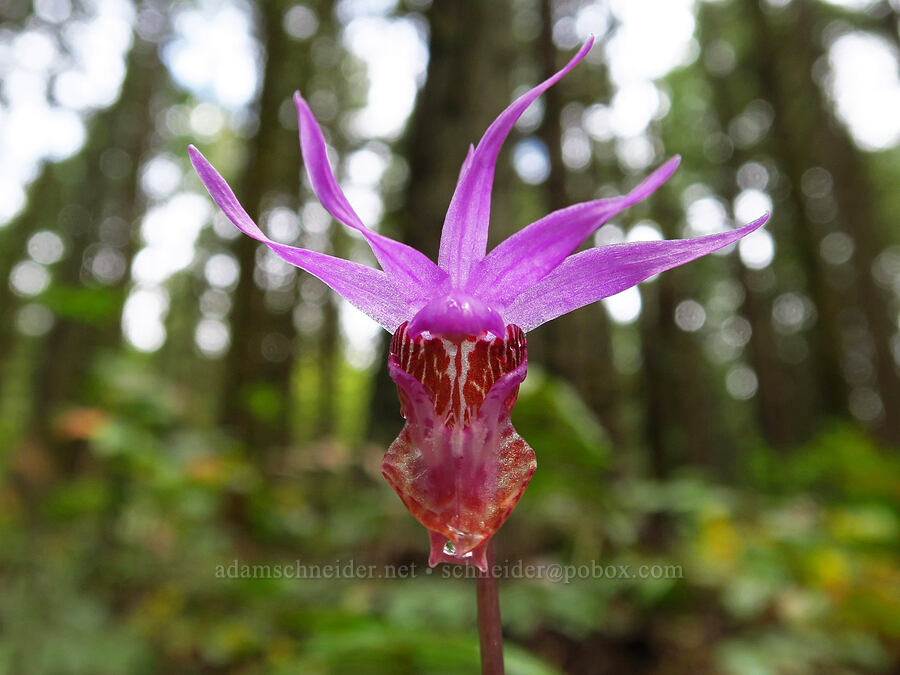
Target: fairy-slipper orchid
x,y
458,350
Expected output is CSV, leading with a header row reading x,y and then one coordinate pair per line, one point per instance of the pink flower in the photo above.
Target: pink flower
x,y
458,352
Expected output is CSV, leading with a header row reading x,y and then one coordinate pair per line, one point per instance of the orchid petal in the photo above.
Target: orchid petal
x,y
366,288
527,256
457,313
467,162
413,274
458,464
600,272
465,233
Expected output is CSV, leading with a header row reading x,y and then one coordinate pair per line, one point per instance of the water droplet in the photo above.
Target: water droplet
x,y
449,548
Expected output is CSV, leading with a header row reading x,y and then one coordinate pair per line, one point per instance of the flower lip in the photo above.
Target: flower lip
x,y
457,314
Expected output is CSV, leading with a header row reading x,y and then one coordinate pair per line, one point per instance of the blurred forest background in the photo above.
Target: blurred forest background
x,y
173,397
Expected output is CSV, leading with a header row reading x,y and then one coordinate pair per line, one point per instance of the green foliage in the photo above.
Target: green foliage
x,y
557,423
794,570
87,305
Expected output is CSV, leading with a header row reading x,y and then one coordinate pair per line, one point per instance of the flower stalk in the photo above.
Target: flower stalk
x,y
490,630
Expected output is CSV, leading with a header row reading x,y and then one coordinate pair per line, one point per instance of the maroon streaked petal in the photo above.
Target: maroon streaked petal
x,y
458,372
465,233
413,274
458,464
367,289
527,256
595,274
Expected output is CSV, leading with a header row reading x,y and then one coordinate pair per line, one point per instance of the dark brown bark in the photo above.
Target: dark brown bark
x,y
260,359
43,207
657,383
806,129
776,410
329,354
855,200
791,149
87,197
781,404
681,424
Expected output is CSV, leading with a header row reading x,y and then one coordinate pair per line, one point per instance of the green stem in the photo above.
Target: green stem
x,y
490,631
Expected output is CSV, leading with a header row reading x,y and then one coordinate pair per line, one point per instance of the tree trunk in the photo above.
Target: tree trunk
x,y
815,135
791,148
782,402
256,399
97,197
